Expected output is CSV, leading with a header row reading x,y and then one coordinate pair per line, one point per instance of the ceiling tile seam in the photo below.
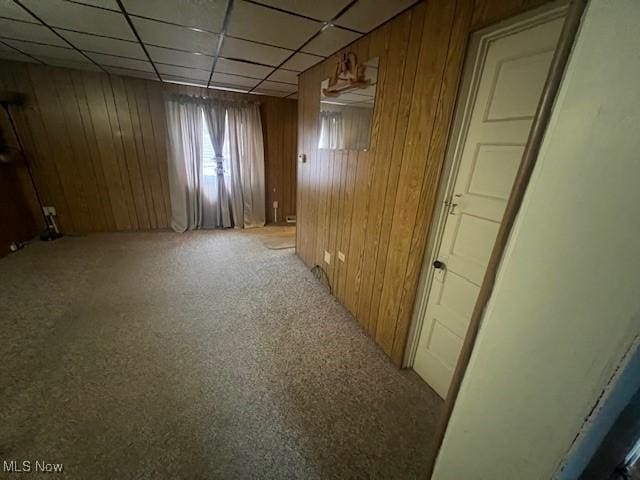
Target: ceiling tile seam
x,y
304,44
196,29
91,5
19,20
379,26
260,43
174,24
233,59
225,24
19,3
135,58
157,62
92,34
251,62
23,53
34,43
107,66
135,33
252,78
65,29
300,15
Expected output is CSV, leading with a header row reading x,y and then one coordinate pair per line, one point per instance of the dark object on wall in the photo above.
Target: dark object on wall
x,y
12,155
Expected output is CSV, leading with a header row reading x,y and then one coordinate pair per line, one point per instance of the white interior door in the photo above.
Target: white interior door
x,y
510,79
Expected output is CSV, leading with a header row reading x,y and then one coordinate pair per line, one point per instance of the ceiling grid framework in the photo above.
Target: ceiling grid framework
x,y
253,46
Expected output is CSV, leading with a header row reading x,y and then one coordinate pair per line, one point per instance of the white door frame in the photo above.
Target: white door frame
x,y
471,73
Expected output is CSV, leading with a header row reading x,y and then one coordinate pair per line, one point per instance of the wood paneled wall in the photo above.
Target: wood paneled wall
x,y
17,222
19,210
97,144
376,206
280,125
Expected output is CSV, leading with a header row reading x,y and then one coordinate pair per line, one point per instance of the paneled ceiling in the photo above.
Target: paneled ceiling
x,y
244,45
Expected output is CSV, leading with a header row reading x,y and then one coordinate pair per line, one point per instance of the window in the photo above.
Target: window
x,y
208,154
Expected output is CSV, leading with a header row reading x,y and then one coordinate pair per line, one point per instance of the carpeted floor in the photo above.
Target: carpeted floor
x,y
201,355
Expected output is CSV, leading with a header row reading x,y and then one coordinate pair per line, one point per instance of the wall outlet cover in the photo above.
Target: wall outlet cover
x,y
327,257
341,256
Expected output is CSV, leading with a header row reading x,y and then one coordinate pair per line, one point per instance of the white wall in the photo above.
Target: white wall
x,y
566,304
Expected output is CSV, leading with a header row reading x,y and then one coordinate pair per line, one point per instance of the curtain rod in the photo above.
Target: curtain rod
x,y
183,97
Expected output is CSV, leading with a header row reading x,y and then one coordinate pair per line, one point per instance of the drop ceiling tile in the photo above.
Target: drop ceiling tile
x,y
330,41
59,62
112,61
285,76
10,9
73,16
91,43
270,93
320,10
172,36
184,59
302,61
366,15
9,54
39,50
278,87
254,52
262,24
110,4
224,65
126,72
193,73
184,80
30,32
207,15
239,82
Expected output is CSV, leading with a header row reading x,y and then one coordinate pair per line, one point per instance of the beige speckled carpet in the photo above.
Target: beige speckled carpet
x,y
198,356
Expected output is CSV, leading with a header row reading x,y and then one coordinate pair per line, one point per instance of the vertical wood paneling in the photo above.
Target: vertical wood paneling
x,y
380,214
395,150
430,71
280,132
97,145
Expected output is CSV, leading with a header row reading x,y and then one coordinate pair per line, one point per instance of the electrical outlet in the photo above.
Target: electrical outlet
x,y
341,256
327,258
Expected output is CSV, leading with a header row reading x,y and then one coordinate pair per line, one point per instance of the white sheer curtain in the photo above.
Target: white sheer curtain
x,y
204,201
184,120
331,130
246,148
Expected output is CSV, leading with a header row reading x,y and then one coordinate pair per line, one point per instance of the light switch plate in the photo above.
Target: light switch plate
x,y
327,257
341,256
